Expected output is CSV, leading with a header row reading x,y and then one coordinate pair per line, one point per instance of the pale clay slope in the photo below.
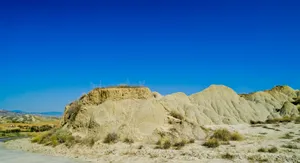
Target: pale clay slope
x,y
140,114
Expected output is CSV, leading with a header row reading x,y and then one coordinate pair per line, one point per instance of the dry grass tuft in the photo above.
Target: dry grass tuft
x,y
212,143
236,136
222,135
225,135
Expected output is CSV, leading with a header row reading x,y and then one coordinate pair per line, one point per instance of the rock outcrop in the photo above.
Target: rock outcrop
x,y
137,113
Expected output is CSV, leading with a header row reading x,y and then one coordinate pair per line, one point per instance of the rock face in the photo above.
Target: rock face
x,y
137,113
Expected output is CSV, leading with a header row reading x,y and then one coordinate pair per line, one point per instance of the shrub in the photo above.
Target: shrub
x,y
228,156
290,146
236,136
54,140
111,138
222,134
54,137
180,144
212,143
191,141
262,150
287,136
273,150
270,150
167,144
297,140
297,120
255,122
36,139
128,141
163,143
285,119
176,115
91,142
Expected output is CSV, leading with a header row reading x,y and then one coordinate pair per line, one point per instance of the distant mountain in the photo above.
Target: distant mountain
x,y
54,114
18,116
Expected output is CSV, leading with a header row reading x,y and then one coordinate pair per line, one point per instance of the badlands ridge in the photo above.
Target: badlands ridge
x,y
142,115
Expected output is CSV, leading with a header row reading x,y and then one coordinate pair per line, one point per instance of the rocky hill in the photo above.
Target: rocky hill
x,y
139,114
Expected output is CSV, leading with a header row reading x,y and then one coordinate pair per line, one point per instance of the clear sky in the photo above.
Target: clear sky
x,y
53,51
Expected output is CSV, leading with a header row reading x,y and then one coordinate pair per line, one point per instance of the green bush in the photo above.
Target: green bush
x,y
54,137
212,143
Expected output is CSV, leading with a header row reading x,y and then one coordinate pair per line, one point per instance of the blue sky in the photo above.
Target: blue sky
x,y
53,51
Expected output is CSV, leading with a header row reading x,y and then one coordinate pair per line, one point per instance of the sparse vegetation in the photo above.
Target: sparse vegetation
x,y
228,156
284,119
225,135
191,141
287,136
270,128
297,120
222,135
257,158
179,144
166,144
256,122
212,143
297,140
273,150
270,150
53,137
290,146
111,138
236,137
90,141
128,141
163,143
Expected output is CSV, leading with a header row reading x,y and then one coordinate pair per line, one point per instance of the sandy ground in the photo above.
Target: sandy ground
x,y
15,156
259,136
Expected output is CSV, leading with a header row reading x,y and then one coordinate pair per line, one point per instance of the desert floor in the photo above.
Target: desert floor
x,y
256,137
